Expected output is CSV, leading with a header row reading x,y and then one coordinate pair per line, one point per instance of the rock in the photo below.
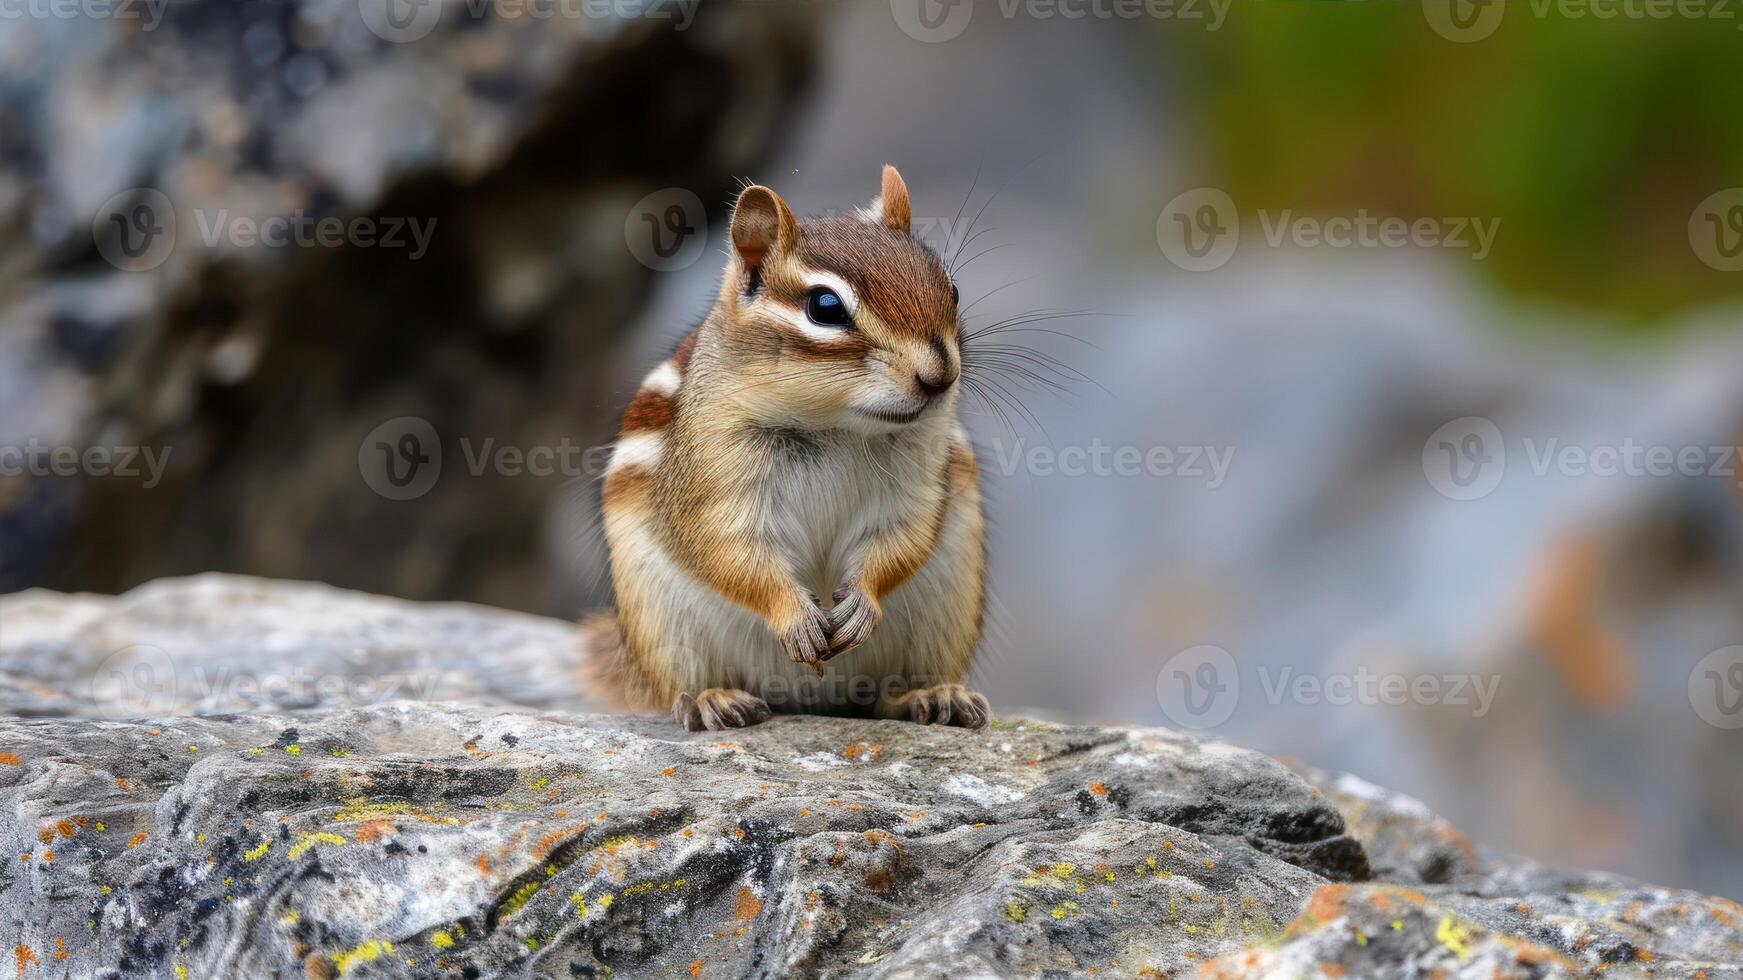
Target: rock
x,y
366,837
519,143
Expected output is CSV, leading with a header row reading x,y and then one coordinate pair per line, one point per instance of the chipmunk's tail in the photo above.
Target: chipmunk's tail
x,y
607,675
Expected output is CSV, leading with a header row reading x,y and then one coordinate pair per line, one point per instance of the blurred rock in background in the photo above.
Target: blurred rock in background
x,y
496,160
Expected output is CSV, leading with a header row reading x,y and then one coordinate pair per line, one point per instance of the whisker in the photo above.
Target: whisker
x,y
984,296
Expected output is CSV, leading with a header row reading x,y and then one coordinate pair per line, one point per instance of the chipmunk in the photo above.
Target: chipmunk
x,y
801,442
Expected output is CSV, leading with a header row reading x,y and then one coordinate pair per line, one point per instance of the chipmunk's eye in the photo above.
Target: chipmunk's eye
x,y
955,295
826,309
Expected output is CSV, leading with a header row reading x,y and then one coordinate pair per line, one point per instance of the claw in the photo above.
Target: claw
x,y
947,704
719,708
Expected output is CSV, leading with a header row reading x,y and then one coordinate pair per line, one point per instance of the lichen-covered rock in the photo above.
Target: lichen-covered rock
x,y
406,838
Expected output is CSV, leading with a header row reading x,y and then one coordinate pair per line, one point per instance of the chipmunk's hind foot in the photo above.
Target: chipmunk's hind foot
x,y
719,708
943,704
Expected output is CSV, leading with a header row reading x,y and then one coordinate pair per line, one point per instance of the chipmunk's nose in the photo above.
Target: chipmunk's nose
x,y
938,384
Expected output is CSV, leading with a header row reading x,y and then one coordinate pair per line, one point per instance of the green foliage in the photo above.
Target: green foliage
x,y
1592,139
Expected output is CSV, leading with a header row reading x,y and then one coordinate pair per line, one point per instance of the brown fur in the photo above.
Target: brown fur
x,y
695,471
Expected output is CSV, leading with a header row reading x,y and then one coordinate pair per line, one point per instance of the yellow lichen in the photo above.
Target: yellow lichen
x,y
370,949
522,895
1454,936
256,852
296,750
442,940
306,841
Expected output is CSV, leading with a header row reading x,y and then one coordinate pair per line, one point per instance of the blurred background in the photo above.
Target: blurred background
x,y
1367,390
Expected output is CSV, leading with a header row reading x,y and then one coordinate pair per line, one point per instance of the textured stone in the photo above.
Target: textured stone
x,y
519,141
399,838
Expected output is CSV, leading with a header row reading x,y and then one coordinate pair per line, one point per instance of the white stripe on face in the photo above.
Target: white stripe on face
x,y
637,449
802,323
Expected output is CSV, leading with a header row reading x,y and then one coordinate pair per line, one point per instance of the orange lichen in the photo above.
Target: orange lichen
x,y
375,829
24,957
695,968
745,905
1099,789
137,839
882,836
1327,902
10,759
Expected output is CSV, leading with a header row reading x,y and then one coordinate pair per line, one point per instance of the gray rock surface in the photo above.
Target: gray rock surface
x,y
521,139
501,833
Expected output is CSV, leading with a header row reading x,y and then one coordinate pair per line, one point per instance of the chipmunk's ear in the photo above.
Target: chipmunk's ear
x,y
762,224
892,207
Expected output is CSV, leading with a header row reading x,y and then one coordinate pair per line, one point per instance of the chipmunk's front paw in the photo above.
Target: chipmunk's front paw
x,y
852,620
806,637
946,704
718,708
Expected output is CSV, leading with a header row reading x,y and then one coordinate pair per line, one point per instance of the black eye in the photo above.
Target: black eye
x,y
955,295
826,309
